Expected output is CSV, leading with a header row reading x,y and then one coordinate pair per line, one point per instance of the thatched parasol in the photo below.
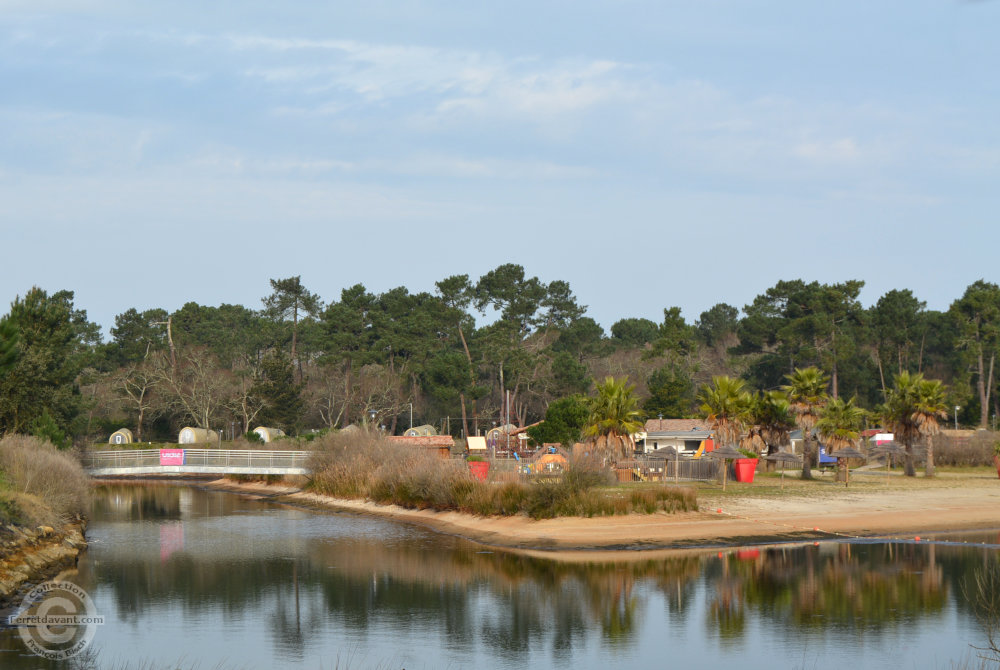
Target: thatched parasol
x,y
889,449
783,457
846,453
725,453
669,454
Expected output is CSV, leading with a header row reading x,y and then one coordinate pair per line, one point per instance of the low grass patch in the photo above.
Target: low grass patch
x,y
368,467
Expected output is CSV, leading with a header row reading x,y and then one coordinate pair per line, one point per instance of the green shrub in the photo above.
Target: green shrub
x,y
10,511
45,428
545,498
580,479
509,499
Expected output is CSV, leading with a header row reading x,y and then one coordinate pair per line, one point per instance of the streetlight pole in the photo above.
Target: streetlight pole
x,y
956,416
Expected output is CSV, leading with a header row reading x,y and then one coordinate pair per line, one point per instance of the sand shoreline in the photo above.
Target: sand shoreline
x,y
733,522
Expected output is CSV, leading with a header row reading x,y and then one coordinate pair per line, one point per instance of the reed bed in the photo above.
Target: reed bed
x,y
370,468
40,485
969,452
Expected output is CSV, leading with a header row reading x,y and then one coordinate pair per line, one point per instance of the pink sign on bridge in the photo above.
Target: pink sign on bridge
x,y
171,457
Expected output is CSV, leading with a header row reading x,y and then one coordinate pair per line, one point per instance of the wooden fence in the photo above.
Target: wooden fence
x,y
635,470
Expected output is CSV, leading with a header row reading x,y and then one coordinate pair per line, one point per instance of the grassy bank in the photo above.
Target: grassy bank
x,y
40,485
368,467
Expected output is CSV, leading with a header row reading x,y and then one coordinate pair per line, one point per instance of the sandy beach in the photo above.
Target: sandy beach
x,y
803,512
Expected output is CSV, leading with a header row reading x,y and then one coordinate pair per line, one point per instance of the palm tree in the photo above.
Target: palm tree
x,y
806,391
839,425
912,411
725,405
614,417
931,407
771,420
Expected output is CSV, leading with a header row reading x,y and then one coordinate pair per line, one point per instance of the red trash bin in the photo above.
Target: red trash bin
x,y
745,468
479,469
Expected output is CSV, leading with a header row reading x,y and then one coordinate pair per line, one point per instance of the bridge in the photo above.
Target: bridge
x,y
133,462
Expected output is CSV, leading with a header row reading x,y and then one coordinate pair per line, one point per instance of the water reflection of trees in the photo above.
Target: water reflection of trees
x,y
833,587
155,501
511,604
126,502
508,602
515,604
980,587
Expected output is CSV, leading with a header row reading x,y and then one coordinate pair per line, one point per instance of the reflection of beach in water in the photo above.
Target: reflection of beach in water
x,y
252,585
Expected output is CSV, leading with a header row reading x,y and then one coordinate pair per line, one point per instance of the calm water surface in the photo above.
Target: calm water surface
x,y
209,579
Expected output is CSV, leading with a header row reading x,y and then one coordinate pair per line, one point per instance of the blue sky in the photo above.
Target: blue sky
x,y
650,153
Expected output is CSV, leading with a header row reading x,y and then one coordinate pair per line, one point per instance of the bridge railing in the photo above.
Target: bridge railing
x,y
134,458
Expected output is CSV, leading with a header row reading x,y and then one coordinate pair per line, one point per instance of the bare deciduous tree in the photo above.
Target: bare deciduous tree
x,y
198,388
136,384
246,403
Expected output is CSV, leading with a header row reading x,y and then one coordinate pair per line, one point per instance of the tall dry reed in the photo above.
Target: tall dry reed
x,y
40,484
976,450
366,466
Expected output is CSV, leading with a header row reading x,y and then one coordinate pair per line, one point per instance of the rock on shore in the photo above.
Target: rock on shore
x,y
33,555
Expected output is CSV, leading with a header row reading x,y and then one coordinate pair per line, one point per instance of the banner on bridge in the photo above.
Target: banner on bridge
x,y
171,457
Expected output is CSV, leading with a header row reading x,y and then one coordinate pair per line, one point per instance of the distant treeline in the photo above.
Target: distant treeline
x,y
300,363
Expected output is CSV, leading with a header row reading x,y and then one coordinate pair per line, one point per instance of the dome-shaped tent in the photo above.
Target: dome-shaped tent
x,y
268,434
421,431
189,435
121,436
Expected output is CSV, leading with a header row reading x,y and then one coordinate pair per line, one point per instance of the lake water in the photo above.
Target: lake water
x,y
193,578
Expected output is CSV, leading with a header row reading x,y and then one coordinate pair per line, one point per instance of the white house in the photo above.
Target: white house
x,y
684,435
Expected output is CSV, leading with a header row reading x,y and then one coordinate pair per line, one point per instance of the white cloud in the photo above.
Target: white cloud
x,y
467,81
348,107
838,150
35,7
222,163
459,167
330,108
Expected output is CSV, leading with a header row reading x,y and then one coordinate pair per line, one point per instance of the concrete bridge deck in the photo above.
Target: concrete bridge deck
x,y
133,462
